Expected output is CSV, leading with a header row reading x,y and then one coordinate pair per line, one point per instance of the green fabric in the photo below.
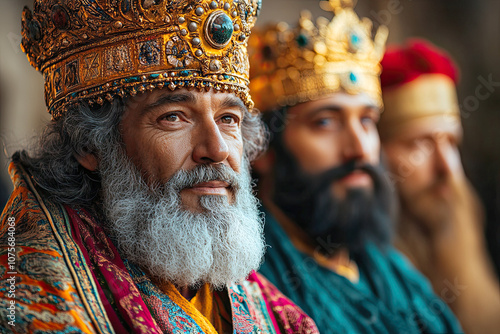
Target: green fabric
x,y
390,297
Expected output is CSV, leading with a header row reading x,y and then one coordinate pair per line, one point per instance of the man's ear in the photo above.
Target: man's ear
x,y
88,161
264,164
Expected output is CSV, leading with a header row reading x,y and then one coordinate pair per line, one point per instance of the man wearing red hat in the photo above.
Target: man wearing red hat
x,y
439,225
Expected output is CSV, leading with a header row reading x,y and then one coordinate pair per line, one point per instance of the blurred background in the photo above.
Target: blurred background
x,y
468,29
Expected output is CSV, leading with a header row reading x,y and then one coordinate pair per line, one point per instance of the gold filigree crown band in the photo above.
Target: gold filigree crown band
x,y
290,66
98,50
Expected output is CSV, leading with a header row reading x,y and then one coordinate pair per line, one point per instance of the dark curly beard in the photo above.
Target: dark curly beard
x,y
332,223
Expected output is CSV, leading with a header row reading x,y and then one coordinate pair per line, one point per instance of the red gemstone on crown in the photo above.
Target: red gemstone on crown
x,y
60,17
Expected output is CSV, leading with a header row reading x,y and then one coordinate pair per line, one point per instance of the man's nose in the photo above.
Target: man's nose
x,y
210,146
447,157
356,143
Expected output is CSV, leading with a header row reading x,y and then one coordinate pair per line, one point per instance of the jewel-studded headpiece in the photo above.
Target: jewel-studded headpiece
x,y
97,50
290,66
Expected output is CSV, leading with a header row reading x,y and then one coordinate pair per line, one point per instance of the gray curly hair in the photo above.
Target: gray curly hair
x,y
84,130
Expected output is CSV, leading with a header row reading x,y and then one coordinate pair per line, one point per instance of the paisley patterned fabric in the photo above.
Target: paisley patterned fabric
x,y
69,278
292,318
54,289
174,313
124,304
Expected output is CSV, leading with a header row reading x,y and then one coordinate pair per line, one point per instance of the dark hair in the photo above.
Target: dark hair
x,y
84,129
275,121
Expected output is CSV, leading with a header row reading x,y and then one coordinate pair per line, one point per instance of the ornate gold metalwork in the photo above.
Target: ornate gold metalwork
x,y
290,66
96,50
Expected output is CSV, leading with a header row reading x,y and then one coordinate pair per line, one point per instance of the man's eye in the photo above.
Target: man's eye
x,y
328,123
367,120
323,121
228,119
170,117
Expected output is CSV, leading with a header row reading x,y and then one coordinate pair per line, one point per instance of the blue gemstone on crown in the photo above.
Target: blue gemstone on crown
x,y
302,40
355,39
355,42
353,78
220,29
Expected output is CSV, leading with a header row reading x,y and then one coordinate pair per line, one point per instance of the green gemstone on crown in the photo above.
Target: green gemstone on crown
x,y
302,40
219,29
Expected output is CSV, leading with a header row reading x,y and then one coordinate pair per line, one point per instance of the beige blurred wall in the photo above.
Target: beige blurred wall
x,y
22,107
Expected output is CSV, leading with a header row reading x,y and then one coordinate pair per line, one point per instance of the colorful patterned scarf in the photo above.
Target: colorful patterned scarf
x,y
70,278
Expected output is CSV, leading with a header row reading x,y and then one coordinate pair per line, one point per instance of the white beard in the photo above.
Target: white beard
x,y
219,246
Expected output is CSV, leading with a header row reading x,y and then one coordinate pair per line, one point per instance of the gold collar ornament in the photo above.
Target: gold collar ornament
x,y
290,66
98,50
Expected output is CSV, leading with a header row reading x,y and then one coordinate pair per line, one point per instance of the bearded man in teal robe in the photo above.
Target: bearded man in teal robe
x,y
326,200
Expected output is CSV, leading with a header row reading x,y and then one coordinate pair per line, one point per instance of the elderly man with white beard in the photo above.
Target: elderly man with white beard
x,y
135,212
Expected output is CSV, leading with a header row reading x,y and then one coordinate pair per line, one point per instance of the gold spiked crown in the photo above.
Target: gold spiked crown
x,y
290,66
97,50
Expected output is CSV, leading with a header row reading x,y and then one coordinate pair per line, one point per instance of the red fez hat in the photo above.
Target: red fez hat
x,y
418,80
404,64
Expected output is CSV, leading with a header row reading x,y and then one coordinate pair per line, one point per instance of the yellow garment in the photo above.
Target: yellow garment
x,y
211,307
200,308
208,312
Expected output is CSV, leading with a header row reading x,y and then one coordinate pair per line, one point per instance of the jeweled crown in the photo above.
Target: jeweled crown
x,y
97,50
295,65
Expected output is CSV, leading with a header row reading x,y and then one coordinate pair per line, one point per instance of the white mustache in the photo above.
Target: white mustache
x,y
219,246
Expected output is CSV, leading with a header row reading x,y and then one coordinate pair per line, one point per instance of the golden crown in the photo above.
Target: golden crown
x,y
290,66
97,50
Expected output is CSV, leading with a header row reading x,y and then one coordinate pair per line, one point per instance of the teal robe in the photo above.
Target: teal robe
x,y
390,297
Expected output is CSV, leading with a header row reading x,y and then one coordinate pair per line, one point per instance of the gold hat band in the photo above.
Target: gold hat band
x,y
428,95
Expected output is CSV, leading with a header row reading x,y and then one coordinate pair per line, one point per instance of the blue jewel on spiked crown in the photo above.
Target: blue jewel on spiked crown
x,y
294,65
